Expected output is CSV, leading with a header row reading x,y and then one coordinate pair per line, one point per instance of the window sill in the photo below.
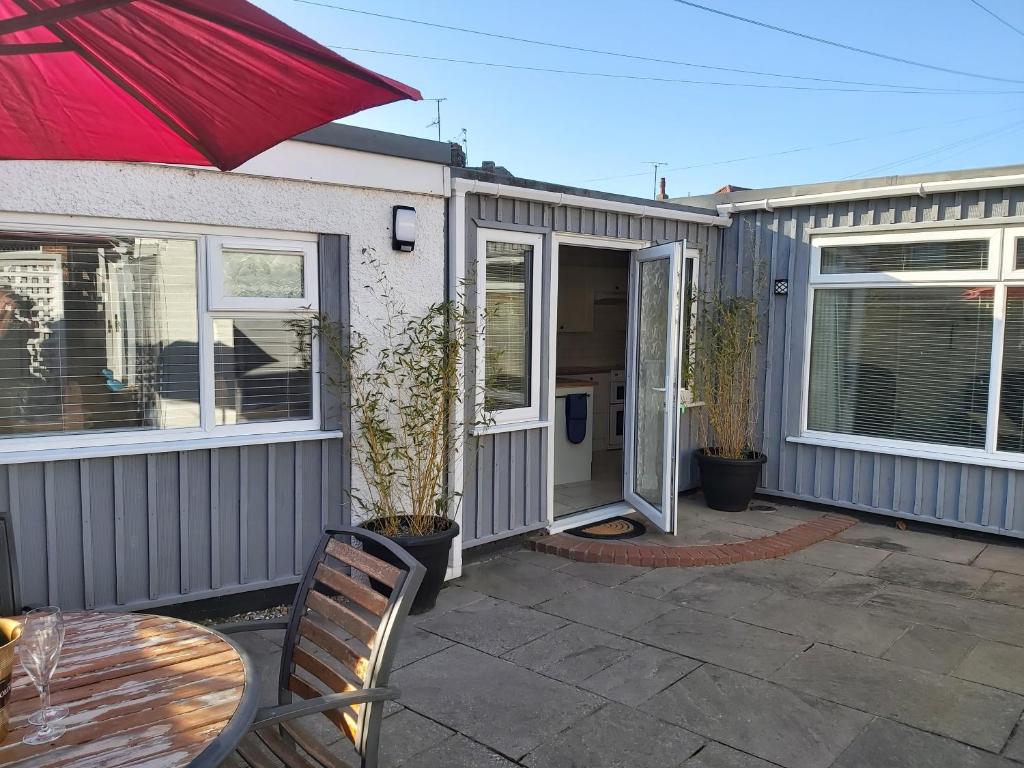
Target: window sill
x,y
513,426
927,452
44,454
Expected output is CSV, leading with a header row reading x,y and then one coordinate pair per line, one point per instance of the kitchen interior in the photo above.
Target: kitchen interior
x,y
590,377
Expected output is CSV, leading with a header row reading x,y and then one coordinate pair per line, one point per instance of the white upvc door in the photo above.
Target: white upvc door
x,y
651,440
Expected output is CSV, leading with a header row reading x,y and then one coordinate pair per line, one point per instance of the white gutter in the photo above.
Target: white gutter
x,y
472,186
894,190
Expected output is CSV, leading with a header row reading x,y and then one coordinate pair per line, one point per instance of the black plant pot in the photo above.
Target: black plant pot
x,y
431,550
729,484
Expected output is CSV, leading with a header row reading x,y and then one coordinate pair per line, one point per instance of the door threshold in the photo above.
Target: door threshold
x,y
589,516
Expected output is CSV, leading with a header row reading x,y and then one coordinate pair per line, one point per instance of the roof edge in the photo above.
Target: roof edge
x,y
360,139
852,185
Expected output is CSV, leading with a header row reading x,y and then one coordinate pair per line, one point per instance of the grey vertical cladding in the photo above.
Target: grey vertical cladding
x,y
505,488
120,539
961,495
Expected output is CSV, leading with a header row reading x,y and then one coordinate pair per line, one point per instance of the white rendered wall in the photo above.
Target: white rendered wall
x,y
173,198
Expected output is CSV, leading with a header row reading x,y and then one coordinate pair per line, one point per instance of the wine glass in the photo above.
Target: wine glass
x,y
39,649
58,712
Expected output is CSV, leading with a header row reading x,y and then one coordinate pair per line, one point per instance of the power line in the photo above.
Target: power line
x,y
998,18
600,52
651,78
844,46
968,140
807,148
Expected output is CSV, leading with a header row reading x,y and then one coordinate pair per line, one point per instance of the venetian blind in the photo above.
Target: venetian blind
x,y
1011,396
262,370
904,257
904,363
507,340
97,333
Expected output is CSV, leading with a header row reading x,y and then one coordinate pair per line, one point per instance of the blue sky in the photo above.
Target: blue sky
x,y
578,130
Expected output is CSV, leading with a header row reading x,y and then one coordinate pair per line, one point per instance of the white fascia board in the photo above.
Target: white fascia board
x,y
472,186
894,190
302,161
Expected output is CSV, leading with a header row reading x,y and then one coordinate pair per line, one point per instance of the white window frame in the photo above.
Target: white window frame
x,y
999,274
219,301
1011,235
531,413
56,446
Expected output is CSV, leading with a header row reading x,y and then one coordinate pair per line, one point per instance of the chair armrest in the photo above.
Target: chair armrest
x,y
274,715
250,626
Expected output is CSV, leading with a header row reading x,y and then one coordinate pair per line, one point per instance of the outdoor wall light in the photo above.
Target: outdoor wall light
x,y
403,228
781,287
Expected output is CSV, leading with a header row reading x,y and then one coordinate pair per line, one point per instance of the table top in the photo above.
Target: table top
x,y
140,688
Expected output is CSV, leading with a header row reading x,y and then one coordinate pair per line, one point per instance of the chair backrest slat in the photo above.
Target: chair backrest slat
x,y
343,616
344,626
328,675
319,635
371,566
366,598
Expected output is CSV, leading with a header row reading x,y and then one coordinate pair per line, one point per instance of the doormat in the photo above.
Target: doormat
x,y
613,529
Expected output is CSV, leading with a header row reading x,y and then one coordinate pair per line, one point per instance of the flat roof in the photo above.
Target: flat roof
x,y
799,190
378,142
514,181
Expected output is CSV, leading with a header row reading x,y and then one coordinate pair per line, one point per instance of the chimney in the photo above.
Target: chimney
x,y
662,194
487,165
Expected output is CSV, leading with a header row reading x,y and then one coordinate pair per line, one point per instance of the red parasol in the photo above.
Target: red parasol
x,y
198,82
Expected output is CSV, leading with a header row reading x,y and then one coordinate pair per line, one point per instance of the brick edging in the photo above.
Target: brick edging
x,y
778,544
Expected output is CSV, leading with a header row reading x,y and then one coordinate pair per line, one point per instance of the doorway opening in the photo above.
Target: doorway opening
x,y
592,317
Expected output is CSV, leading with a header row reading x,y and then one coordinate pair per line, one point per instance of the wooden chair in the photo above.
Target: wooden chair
x,y
339,643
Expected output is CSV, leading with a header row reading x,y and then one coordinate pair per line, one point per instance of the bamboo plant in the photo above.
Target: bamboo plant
x,y
722,374
401,387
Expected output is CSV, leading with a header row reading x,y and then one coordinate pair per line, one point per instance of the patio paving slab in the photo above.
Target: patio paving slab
x,y
451,596
716,755
517,581
717,595
1005,588
782,575
972,713
846,588
417,644
925,573
659,582
758,717
885,744
540,559
405,734
493,626
844,626
573,653
605,608
617,737
640,675
992,621
458,752
1015,746
938,546
721,641
932,649
995,664
841,556
608,574
505,707
1003,557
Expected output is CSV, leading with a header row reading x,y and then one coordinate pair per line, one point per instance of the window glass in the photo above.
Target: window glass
x,y
507,347
265,274
103,337
1018,262
1011,396
904,257
263,370
902,363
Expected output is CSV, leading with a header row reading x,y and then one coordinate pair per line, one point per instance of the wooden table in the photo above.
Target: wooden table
x,y
141,689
